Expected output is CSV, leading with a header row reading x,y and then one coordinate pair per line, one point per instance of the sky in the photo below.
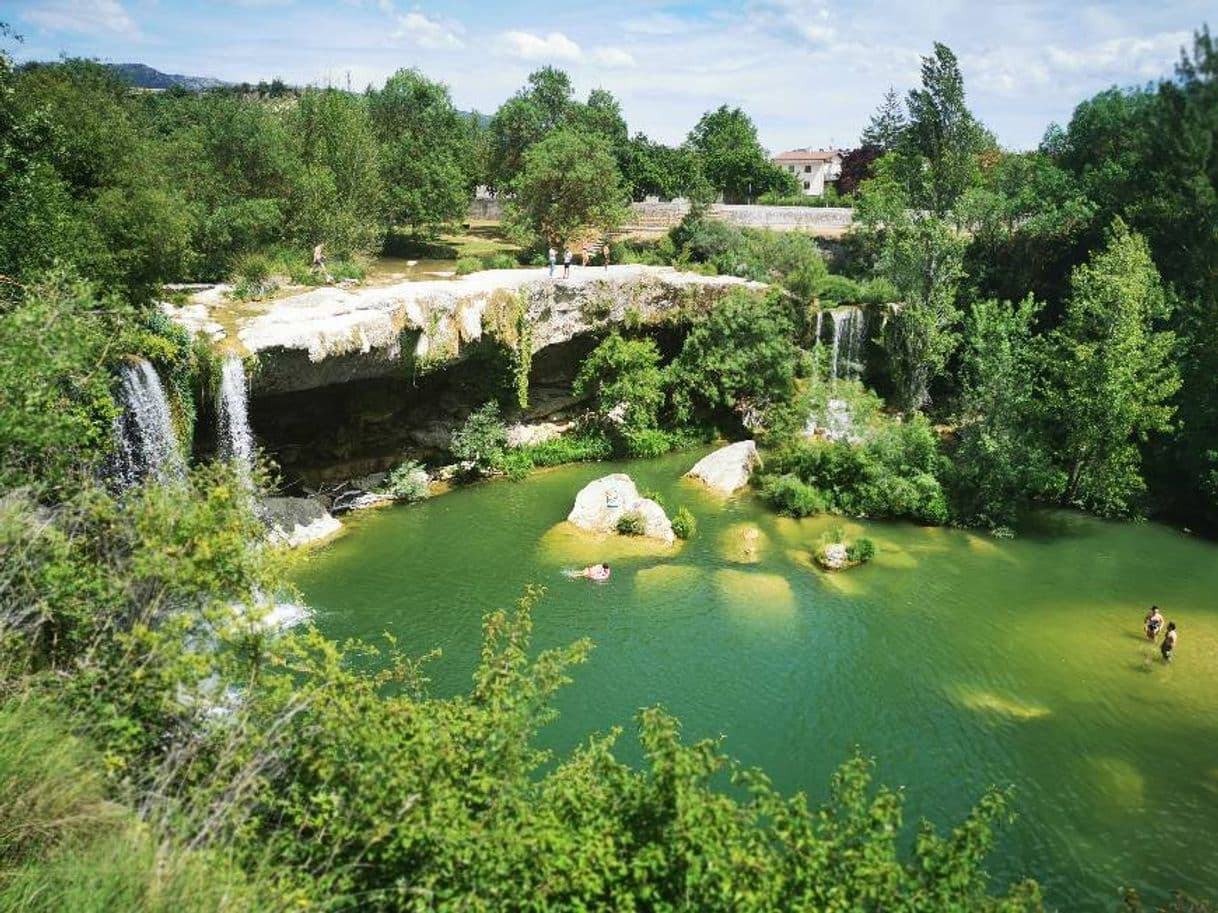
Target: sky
x,y
809,72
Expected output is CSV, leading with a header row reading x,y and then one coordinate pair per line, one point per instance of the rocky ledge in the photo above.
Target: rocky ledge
x,y
728,468
337,335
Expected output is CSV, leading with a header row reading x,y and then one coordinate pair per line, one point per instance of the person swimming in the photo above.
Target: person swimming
x,y
1154,621
597,572
1169,642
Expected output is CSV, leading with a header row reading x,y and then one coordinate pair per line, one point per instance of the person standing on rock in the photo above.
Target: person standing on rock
x,y
553,260
605,253
585,254
566,263
319,257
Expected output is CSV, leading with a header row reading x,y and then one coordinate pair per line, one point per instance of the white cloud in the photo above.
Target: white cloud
x,y
528,46
614,57
800,19
1149,56
431,34
90,16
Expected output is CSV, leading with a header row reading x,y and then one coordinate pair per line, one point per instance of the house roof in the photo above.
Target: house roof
x,y
808,155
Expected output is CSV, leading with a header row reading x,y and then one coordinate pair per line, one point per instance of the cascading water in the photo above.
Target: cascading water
x,y
847,343
236,438
145,442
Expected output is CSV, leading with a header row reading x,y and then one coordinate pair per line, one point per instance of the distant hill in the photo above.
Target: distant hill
x,y
143,76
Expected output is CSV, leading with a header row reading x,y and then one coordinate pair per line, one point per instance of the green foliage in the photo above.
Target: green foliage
x,y
860,551
581,446
569,186
467,265
482,439
408,482
426,156
684,524
740,357
1001,458
888,124
732,159
631,524
894,473
1112,373
515,464
625,383
56,407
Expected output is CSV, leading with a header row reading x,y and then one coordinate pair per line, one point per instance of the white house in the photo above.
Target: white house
x,y
813,168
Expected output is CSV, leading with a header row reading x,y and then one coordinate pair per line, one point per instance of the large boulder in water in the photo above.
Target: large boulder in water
x,y
603,502
728,468
297,521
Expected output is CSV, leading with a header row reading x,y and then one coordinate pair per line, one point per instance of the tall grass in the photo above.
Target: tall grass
x,y
65,847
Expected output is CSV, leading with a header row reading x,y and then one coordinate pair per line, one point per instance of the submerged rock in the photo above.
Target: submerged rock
x,y
728,468
603,502
297,521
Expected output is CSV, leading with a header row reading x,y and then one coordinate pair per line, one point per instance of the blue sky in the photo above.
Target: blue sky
x,y
810,72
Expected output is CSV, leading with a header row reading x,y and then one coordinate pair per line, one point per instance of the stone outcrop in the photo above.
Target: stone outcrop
x,y
297,521
728,468
602,503
336,335
833,556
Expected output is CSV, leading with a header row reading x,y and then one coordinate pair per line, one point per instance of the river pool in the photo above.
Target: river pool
x,y
955,659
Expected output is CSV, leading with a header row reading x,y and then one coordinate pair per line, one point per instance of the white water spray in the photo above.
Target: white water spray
x,y
236,438
145,442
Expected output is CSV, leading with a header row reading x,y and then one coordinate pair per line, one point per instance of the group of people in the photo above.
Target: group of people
x,y
1153,623
568,256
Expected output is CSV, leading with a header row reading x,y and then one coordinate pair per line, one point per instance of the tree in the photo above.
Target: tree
x,y
624,380
570,185
1111,374
524,119
1002,456
941,144
426,158
740,358
857,165
341,198
482,439
887,125
732,159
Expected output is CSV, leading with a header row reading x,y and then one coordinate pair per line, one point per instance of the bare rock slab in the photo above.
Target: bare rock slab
x,y
728,468
603,502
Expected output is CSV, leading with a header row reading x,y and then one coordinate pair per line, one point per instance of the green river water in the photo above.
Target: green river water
x,y
957,660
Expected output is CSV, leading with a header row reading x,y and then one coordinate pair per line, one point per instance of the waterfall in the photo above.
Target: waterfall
x,y
236,438
145,444
847,343
820,323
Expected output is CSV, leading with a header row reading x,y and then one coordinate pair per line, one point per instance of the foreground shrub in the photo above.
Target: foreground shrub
x,y
860,550
408,482
792,496
631,525
684,524
482,439
467,265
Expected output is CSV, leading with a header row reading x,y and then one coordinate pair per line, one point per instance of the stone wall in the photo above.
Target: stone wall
x,y
659,217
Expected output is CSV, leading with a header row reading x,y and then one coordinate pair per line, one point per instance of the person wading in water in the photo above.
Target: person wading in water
x,y
1169,642
1154,621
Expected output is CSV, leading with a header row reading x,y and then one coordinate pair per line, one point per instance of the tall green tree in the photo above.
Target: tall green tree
x,y
887,125
570,185
1112,376
940,147
732,158
340,199
427,161
524,119
1002,455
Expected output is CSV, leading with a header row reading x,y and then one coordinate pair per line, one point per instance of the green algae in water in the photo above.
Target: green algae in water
x,y
957,660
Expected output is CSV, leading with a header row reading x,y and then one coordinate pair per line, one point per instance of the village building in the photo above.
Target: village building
x,y
813,168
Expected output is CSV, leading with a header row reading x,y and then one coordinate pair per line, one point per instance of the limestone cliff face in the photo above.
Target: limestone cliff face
x,y
335,335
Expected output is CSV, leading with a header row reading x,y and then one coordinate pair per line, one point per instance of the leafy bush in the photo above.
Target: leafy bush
x,y
840,289
792,496
252,277
516,464
482,439
624,381
860,550
894,473
650,442
684,524
631,525
408,482
467,265
582,446
497,261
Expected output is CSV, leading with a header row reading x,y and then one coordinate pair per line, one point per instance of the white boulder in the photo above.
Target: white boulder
x,y
728,468
603,502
